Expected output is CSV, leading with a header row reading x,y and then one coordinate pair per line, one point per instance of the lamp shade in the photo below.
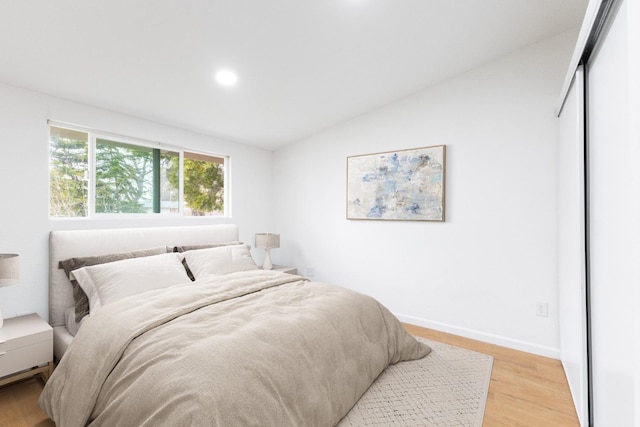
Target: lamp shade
x,y
9,269
267,240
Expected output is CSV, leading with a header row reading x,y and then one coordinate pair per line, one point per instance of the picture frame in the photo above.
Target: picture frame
x,y
400,185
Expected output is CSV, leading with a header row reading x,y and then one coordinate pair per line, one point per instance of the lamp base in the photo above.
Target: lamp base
x,y
266,264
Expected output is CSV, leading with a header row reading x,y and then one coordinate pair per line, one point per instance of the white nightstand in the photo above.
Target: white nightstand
x,y
26,348
288,270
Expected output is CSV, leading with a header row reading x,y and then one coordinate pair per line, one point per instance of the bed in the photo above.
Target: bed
x,y
183,328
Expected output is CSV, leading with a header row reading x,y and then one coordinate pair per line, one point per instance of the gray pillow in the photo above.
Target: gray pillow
x,y
68,265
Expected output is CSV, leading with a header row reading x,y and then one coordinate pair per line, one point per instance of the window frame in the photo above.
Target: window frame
x,y
94,135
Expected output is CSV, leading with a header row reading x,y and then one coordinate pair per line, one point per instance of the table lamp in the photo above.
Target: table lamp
x,y
267,241
9,273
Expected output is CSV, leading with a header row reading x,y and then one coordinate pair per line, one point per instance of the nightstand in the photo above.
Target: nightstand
x,y
288,270
26,348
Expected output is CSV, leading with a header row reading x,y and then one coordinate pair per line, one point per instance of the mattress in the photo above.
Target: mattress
x,y
61,340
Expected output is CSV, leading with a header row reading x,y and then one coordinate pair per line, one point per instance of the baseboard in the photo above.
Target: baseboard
x,y
528,347
581,407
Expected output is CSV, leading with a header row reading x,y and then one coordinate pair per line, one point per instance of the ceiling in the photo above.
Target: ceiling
x,y
302,65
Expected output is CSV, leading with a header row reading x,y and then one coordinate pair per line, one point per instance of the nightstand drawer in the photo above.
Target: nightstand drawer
x,y
16,360
25,341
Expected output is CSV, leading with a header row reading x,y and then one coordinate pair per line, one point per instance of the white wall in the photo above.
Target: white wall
x,y
481,272
24,181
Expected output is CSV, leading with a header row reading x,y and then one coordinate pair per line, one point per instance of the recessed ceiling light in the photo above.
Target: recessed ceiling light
x,y
226,77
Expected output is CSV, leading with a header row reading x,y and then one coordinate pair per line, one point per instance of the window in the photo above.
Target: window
x,y
93,175
134,179
68,183
203,184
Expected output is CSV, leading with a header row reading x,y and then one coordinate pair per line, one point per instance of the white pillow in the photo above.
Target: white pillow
x,y
218,261
110,282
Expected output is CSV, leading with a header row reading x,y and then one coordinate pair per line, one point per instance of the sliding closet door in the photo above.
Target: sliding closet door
x,y
571,245
611,194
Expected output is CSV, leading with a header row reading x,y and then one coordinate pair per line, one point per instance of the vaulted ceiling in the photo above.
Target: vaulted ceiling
x,y
302,65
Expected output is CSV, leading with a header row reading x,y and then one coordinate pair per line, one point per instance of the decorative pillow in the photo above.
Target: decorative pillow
x,y
218,261
68,265
108,283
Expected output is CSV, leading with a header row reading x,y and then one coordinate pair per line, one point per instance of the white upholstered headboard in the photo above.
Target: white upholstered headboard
x,y
79,243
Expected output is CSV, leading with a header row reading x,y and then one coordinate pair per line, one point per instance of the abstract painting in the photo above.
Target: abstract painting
x,y
405,185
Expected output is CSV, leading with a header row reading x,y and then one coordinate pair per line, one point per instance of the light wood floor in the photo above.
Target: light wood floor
x,y
19,404
525,390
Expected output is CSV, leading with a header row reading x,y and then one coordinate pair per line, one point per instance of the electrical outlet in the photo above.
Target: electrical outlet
x,y
311,271
542,309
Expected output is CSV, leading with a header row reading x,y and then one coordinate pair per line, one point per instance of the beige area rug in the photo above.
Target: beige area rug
x,y
447,388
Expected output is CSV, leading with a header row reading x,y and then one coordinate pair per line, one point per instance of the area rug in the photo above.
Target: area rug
x,y
447,388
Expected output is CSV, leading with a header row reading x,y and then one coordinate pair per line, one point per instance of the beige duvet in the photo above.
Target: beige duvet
x,y
253,348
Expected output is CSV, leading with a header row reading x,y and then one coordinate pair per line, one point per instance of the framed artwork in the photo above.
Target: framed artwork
x,y
403,185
